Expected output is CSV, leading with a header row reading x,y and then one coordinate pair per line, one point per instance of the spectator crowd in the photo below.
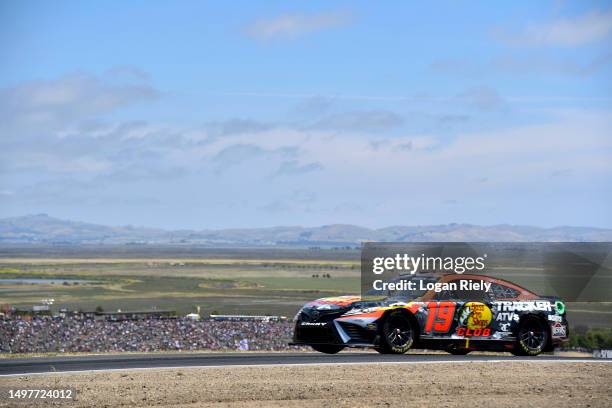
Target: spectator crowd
x,y
74,334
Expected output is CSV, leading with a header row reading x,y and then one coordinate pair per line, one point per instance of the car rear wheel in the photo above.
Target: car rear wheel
x,y
532,338
327,348
398,334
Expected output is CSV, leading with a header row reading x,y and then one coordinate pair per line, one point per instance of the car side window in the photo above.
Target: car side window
x,y
463,295
499,291
445,295
472,295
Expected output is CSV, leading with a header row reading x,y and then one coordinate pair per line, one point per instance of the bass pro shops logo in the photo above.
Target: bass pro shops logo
x,y
475,315
474,320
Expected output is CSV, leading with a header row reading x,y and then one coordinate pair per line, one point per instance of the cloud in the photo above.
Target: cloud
x,y
238,153
134,171
291,202
236,126
133,162
313,106
360,121
89,159
289,26
567,32
48,104
127,73
562,173
448,119
482,97
292,167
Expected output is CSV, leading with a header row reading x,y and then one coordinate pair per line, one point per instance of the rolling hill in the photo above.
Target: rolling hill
x,y
44,229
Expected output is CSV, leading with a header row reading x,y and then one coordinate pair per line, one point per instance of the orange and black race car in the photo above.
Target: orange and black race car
x,y
456,313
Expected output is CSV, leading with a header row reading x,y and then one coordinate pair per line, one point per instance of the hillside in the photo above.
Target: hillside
x,y
42,228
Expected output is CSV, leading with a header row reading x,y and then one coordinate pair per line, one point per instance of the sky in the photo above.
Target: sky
x,y
245,114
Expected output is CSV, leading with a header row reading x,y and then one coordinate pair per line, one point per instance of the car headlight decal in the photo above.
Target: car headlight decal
x,y
560,307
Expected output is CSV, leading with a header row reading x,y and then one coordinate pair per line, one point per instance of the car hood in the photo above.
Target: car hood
x,y
340,301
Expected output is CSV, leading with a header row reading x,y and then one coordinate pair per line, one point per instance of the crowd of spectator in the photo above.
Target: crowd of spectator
x,y
73,334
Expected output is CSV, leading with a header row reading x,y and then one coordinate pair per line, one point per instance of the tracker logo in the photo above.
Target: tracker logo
x,y
507,317
537,305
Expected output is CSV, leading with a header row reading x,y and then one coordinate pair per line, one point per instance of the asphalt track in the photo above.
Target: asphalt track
x,y
40,365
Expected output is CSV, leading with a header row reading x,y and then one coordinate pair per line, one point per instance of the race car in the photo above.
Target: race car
x,y
455,313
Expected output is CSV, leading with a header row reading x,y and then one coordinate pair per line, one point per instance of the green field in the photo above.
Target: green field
x,y
243,281
249,281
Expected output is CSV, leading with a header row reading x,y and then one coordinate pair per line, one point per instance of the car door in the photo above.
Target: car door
x,y
461,312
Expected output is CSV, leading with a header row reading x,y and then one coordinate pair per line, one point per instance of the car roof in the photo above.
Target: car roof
x,y
454,276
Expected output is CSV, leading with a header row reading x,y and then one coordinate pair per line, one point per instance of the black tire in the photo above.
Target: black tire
x,y
531,338
398,334
327,348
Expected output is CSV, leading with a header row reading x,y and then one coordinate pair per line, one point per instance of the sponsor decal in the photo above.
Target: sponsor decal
x,y
502,334
317,324
504,327
467,332
507,317
367,310
602,353
524,306
503,331
555,318
559,330
475,315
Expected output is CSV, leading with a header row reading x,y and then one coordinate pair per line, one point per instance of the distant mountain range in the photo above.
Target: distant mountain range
x,y
43,229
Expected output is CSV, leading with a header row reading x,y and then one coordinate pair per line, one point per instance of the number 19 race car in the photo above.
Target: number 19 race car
x,y
446,314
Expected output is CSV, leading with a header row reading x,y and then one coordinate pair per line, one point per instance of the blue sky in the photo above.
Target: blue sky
x,y
211,115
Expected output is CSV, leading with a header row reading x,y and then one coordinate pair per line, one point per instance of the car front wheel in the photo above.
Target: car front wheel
x,y
398,334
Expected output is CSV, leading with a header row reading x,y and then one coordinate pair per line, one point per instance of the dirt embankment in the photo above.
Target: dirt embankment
x,y
470,384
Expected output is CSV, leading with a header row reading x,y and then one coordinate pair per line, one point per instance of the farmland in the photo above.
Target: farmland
x,y
224,281
233,281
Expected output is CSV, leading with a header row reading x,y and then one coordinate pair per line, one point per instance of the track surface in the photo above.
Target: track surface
x,y
114,362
